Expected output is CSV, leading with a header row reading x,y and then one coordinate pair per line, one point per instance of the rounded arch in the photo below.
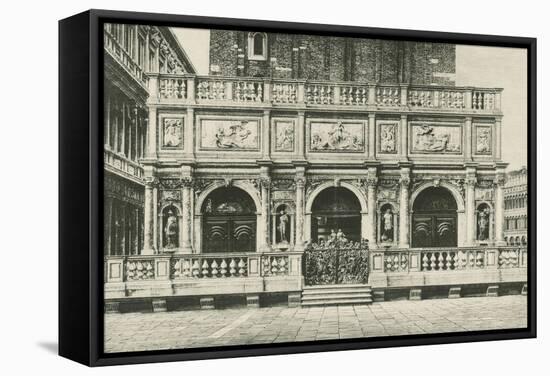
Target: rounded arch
x,y
450,187
247,187
290,207
356,191
167,205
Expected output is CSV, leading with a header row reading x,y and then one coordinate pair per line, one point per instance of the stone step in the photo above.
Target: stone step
x,y
341,286
367,290
336,302
329,297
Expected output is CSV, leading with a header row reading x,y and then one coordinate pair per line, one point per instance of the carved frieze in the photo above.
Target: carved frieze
x,y
484,194
172,133
336,136
283,184
427,138
170,183
170,195
284,135
229,134
483,140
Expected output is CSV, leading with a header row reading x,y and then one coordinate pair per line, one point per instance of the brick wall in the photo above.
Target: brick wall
x,y
334,58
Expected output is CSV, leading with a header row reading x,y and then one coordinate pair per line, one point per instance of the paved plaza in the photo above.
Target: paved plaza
x,y
189,329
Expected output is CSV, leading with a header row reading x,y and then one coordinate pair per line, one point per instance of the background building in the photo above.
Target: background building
x,y
515,207
129,52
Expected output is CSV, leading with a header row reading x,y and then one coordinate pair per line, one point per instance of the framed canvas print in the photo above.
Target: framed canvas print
x,y
240,187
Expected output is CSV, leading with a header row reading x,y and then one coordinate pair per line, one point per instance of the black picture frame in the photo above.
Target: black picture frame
x,y
81,180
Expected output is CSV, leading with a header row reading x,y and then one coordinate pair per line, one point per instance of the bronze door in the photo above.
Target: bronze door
x,y
229,234
434,230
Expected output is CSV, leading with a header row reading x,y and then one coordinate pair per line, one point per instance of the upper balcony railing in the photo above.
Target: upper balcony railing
x,y
170,88
124,58
121,163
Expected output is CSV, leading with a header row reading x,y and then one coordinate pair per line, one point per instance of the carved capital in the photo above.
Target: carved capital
x,y
151,182
265,182
500,179
300,182
187,182
471,180
370,181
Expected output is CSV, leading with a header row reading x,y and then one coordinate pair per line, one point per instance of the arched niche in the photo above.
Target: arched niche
x,y
283,221
336,212
484,222
171,227
387,224
308,222
434,218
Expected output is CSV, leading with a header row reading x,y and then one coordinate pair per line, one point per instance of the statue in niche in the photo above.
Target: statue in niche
x,y
172,133
483,224
284,222
171,230
387,226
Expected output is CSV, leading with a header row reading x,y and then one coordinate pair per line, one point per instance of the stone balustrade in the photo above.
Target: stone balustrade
x,y
448,259
121,163
201,266
187,89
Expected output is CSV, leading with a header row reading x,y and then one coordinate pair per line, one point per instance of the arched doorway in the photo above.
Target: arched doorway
x,y
336,211
229,216
434,222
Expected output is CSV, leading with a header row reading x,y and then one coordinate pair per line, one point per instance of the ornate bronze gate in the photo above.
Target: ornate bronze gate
x,y
339,262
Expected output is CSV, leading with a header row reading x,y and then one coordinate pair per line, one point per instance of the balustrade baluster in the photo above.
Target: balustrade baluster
x,y
232,268
242,268
223,268
214,267
205,268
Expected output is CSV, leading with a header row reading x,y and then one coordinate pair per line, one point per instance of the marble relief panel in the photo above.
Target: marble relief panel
x,y
483,139
336,136
284,135
230,134
436,138
388,137
172,132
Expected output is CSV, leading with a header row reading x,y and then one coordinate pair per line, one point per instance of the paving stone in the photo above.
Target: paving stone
x,y
192,329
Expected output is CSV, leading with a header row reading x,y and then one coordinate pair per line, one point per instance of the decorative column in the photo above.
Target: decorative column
x,y
470,207
468,139
148,245
265,135
404,137
372,137
371,182
188,133
405,181
265,183
499,208
187,184
498,139
300,139
155,218
300,181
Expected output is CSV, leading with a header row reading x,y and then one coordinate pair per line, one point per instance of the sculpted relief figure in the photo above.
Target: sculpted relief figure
x,y
172,132
427,139
236,137
483,140
387,138
337,138
285,137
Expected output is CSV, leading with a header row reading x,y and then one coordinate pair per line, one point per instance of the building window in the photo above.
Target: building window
x,y
257,46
